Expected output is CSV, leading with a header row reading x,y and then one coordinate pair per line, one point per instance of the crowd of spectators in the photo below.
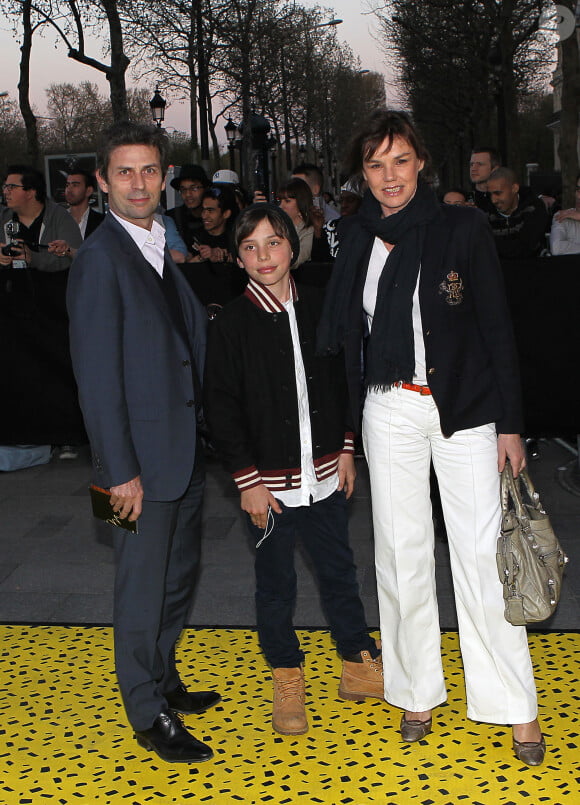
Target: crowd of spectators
x,y
525,224
38,233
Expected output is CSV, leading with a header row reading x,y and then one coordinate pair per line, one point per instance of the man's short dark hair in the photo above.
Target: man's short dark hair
x,y
224,195
120,134
32,179
458,190
310,170
494,156
90,180
504,173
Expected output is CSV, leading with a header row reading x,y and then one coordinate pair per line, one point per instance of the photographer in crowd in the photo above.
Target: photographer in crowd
x,y
32,226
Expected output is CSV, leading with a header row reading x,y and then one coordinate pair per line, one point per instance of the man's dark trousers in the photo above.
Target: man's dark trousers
x,y
154,583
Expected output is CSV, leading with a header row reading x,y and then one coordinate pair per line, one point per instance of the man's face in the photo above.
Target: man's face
x,y
191,192
503,195
480,167
213,219
76,191
15,196
134,183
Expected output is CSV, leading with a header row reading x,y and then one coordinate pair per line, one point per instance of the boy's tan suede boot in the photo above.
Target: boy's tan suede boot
x,y
362,678
289,712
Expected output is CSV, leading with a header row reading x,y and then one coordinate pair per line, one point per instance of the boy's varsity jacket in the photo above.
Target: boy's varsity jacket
x,y
250,397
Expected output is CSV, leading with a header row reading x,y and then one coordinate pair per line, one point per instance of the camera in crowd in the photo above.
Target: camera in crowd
x,y
12,250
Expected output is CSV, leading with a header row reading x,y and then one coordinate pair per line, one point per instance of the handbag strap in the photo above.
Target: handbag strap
x,y
510,488
531,491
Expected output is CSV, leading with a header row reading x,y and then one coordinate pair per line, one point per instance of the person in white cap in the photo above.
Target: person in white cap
x,y
225,177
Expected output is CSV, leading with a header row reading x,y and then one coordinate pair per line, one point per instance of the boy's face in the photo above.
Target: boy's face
x,y
267,257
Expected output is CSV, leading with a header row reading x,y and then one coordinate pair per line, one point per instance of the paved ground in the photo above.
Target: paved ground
x,y
56,561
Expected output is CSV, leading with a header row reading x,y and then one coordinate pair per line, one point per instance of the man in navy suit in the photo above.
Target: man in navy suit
x,y
137,338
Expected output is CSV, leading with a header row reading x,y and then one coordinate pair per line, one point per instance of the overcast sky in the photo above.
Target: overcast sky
x,y
51,65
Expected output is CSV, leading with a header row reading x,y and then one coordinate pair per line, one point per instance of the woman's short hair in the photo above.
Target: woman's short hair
x,y
384,124
299,190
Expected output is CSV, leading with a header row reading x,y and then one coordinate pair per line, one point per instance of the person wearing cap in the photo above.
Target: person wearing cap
x,y
277,415
350,198
191,183
229,177
225,176
351,194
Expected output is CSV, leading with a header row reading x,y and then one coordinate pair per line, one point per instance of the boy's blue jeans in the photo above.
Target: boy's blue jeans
x,y
323,529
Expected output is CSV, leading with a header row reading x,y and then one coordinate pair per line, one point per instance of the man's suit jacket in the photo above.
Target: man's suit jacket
x,y
132,366
94,219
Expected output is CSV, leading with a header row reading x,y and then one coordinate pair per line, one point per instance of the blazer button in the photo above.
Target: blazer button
x,y
431,371
275,317
287,422
190,403
186,363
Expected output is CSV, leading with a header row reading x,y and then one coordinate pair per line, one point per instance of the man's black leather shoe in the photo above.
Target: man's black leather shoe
x,y
191,703
172,742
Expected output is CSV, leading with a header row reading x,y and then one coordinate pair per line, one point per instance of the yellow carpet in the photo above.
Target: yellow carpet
x,y
64,739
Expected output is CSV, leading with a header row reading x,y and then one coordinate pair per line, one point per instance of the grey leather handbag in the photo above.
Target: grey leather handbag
x,y
530,560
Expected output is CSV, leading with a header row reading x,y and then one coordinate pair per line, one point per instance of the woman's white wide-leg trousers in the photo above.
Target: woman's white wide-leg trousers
x,y
401,433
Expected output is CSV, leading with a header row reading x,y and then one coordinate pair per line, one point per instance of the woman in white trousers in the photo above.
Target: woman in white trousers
x,y
422,282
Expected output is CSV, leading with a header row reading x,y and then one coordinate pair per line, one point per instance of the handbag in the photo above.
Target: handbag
x,y
530,560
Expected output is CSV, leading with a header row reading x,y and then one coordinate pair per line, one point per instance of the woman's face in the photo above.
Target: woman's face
x,y
290,207
392,173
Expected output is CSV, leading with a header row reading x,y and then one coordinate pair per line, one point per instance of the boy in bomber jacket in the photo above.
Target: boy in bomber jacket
x,y
276,414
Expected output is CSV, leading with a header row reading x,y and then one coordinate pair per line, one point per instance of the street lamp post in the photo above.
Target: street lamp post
x,y
158,104
272,148
231,130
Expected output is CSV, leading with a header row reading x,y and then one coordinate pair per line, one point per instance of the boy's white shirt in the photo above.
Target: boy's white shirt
x,y
309,486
